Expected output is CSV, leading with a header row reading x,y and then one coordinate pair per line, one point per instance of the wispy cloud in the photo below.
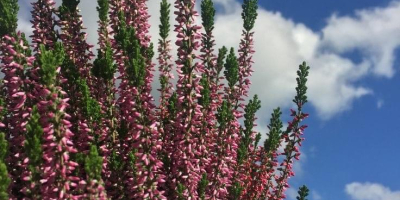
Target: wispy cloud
x,y
315,195
380,103
371,191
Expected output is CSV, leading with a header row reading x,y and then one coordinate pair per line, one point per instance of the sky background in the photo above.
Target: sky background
x,y
352,146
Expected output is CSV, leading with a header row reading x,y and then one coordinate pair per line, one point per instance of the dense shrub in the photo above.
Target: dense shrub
x,y
78,127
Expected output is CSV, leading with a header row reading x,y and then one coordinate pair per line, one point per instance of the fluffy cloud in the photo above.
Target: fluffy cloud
x,y
374,32
282,45
371,191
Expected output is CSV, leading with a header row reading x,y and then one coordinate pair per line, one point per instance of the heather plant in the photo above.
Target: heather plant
x,y
78,126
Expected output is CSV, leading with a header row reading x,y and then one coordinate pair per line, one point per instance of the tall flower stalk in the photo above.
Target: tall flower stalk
x,y
57,178
185,160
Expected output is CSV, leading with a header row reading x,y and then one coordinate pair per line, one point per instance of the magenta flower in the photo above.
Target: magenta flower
x,y
15,59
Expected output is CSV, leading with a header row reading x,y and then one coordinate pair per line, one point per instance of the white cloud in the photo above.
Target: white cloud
x,y
333,83
380,103
281,45
291,193
315,195
375,32
371,191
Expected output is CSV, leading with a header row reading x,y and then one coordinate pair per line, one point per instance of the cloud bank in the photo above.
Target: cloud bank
x,y
371,191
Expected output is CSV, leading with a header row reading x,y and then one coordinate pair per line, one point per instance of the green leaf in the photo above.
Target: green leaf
x,y
104,66
301,89
303,193
102,8
275,126
8,17
207,15
249,14
91,108
164,19
3,147
224,114
221,57
249,117
33,141
135,63
205,99
201,188
4,179
235,191
49,62
3,112
180,190
93,164
68,7
231,69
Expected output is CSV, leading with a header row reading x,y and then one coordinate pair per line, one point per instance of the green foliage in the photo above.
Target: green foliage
x,y
102,8
207,15
303,193
301,89
180,190
116,163
231,69
8,17
163,82
201,188
249,117
221,57
123,130
93,164
70,71
252,107
79,158
249,14
33,143
68,6
33,150
257,140
173,104
90,107
235,191
3,147
103,66
135,62
224,114
164,18
275,126
205,99
3,112
132,159
149,52
4,179
49,62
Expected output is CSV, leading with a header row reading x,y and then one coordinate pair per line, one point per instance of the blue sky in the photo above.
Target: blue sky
x,y
352,146
360,144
